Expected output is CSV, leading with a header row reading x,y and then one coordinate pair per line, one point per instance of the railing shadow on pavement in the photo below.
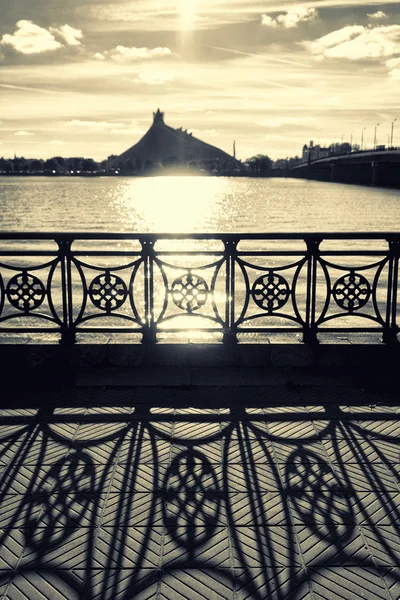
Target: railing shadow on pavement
x,y
126,499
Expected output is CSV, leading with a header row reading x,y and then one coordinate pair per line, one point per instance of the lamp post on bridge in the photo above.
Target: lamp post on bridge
x,y
376,127
362,138
391,134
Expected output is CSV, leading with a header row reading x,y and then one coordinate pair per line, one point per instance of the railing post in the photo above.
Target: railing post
x,y
391,328
149,328
68,333
230,335
310,328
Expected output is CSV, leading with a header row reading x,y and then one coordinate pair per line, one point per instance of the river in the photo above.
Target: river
x,y
193,204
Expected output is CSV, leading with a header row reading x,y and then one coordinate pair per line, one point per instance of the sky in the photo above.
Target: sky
x,y
82,78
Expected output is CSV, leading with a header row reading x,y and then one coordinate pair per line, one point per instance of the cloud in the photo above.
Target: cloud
x,y
394,68
95,125
393,63
123,54
70,35
268,21
109,127
356,42
128,131
292,18
204,132
30,39
378,15
153,78
23,133
275,122
56,142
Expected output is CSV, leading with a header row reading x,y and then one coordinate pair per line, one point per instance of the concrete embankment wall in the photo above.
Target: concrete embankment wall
x,y
32,365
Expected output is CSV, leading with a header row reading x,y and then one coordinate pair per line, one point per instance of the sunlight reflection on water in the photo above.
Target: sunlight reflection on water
x,y
189,204
171,204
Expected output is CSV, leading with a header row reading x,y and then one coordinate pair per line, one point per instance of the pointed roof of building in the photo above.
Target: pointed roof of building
x,y
162,142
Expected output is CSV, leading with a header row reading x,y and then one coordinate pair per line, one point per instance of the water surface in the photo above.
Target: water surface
x,y
193,204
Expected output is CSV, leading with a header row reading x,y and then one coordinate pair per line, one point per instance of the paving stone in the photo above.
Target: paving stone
x,y
366,476
55,547
308,452
32,479
353,450
303,476
317,507
333,546
265,547
377,507
44,453
142,478
72,510
100,432
272,583
265,508
54,584
211,451
5,578
194,510
132,510
196,547
196,584
20,510
391,578
257,478
293,430
384,544
102,453
145,451
12,543
122,584
127,548
331,583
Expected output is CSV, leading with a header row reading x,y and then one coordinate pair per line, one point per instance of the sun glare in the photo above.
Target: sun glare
x,y
187,11
170,204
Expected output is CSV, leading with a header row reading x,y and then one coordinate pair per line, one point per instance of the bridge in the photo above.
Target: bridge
x,y
370,167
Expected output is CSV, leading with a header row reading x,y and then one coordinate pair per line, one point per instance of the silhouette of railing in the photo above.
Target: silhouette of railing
x,y
155,285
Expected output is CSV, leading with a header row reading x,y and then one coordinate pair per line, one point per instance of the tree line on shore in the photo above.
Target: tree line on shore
x,y
259,164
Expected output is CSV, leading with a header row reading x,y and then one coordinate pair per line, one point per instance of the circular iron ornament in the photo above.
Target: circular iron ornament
x,y
270,292
25,292
108,292
189,292
351,291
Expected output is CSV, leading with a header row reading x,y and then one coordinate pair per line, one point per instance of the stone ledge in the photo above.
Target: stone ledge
x,y
44,365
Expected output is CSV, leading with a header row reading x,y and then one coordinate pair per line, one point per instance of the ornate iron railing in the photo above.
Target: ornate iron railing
x,y
229,284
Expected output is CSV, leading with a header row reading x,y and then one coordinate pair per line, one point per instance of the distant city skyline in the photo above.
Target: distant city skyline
x,y
83,78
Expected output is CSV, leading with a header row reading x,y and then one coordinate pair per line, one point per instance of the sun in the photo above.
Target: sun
x,y
187,12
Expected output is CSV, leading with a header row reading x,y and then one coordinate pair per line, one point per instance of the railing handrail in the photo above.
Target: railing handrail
x,y
91,235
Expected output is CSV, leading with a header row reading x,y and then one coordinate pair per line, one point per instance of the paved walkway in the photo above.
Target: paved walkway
x,y
280,484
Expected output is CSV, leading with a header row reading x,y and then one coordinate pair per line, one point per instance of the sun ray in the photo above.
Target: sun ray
x,y
187,11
